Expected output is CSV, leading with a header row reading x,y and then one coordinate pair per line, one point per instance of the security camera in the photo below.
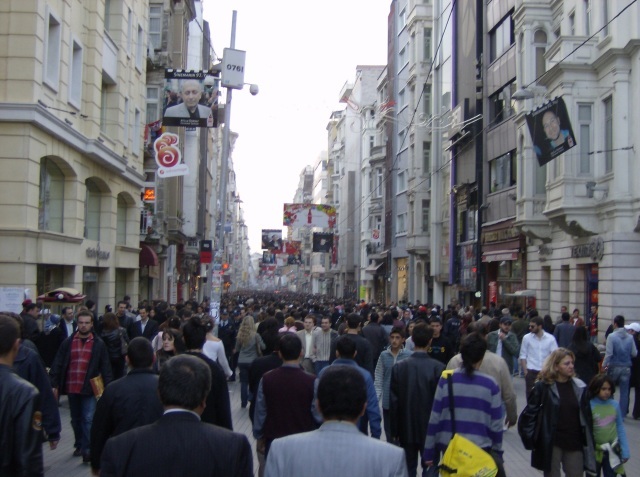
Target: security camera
x,y
209,80
253,89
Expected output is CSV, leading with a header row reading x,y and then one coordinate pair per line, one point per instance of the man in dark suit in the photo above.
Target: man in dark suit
x,y
145,327
257,369
127,403
179,443
67,324
364,356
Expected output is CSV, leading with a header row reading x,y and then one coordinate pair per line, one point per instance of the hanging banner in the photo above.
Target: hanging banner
x,y
272,239
168,156
550,130
322,242
191,99
309,215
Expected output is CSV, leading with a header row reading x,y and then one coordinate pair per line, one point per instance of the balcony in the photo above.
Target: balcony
x,y
418,244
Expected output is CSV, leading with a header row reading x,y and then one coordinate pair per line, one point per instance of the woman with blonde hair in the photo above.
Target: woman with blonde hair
x,y
250,345
561,436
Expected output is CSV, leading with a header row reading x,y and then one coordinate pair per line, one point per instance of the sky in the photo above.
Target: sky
x,y
300,54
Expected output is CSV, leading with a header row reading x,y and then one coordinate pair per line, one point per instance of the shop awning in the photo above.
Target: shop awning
x,y
500,255
148,256
373,268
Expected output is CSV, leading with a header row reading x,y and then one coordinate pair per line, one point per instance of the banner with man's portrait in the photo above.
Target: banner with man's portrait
x,y
190,99
322,242
551,131
272,239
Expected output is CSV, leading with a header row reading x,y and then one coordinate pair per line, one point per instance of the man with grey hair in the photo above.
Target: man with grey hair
x,y
191,92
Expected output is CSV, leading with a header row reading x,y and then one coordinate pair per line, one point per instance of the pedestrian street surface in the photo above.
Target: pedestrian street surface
x,y
61,463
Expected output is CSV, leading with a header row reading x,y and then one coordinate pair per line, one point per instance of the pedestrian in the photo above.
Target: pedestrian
x,y
337,448
479,413
285,398
413,385
536,346
179,443
504,342
588,357
620,349
20,424
306,336
564,437
129,402
323,339
364,356
116,339
609,434
376,335
249,345
81,359
440,348
227,332
564,331
382,380
214,347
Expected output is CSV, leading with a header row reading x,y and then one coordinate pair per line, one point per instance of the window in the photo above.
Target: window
x,y
402,100
372,140
126,125
129,29
402,181
139,48
605,17
51,196
426,101
608,134
379,182
107,15
121,226
92,210
75,74
135,148
104,103
427,32
426,160
502,171
572,23
402,19
155,27
584,141
501,38
401,223
587,17
540,44
425,216
51,65
500,104
153,113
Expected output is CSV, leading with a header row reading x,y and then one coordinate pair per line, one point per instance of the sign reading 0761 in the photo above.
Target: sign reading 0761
x,y
233,68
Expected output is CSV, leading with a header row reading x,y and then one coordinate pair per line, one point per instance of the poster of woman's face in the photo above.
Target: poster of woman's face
x,y
550,130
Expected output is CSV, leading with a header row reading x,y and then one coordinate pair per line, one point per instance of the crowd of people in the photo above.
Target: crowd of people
x,y
143,385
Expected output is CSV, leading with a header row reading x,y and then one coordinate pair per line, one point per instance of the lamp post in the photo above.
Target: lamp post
x,y
232,75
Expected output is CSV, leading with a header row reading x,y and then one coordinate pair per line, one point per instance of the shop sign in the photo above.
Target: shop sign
x,y
500,235
97,254
594,250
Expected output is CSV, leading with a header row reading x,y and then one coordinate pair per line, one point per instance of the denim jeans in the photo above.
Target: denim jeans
x,y
604,468
320,365
244,382
621,375
82,408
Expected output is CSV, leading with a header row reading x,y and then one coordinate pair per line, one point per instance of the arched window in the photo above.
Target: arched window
x,y
540,45
51,197
92,210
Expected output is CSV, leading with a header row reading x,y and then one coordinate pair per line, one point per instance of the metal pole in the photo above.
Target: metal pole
x,y
224,170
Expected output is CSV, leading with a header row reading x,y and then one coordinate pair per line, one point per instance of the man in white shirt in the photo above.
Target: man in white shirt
x,y
322,342
306,336
536,346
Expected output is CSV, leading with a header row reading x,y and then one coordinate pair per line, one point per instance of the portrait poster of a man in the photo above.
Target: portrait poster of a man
x,y
550,130
189,100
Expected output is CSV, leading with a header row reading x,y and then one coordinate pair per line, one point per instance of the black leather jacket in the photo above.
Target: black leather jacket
x,y
21,434
548,396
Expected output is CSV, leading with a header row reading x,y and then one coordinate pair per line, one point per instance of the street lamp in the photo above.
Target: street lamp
x,y
232,73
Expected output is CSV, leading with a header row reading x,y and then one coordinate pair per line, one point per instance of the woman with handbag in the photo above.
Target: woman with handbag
x,y
250,346
556,424
467,403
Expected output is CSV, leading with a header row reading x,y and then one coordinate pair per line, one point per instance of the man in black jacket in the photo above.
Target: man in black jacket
x,y
218,409
364,356
81,357
127,403
179,443
413,386
20,417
